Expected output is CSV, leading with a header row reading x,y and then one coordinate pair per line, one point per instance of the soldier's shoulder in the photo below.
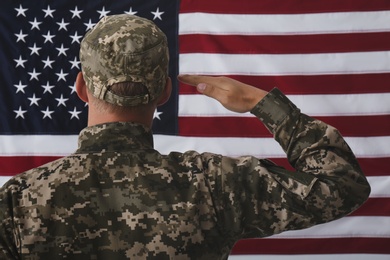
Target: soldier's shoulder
x,y
37,176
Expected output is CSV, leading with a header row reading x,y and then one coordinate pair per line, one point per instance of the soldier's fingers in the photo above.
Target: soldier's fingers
x,y
194,80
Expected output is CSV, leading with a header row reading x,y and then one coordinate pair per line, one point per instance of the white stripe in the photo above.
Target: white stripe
x,y
343,105
285,64
340,22
311,257
43,145
379,186
3,179
377,146
313,105
344,227
260,147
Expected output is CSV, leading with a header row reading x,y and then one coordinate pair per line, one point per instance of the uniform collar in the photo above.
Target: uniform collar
x,y
116,136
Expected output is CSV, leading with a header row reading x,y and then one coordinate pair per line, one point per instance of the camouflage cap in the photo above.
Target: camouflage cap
x,y
122,48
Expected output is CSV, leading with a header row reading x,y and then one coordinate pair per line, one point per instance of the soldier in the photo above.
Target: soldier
x,y
116,197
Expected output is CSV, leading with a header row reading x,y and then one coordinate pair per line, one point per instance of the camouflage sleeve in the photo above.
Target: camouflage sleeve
x,y
8,249
265,199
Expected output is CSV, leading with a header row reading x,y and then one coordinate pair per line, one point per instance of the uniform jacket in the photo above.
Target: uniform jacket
x,y
117,197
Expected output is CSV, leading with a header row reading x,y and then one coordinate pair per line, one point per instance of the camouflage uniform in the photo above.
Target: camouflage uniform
x,y
118,198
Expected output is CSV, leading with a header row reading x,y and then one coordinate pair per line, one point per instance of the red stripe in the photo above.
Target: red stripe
x,y
314,84
357,126
251,127
282,7
222,127
313,246
375,166
11,165
276,44
374,207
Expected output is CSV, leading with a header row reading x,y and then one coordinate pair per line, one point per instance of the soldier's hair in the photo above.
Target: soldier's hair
x,y
123,89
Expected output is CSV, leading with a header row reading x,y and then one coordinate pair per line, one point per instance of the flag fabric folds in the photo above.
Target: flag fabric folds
x,y
332,59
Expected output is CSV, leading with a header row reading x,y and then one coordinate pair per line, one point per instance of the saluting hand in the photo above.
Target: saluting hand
x,y
232,94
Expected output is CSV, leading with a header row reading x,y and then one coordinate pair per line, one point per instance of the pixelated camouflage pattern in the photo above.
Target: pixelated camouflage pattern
x,y
122,48
118,198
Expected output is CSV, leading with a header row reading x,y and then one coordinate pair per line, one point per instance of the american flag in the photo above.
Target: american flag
x,y
332,58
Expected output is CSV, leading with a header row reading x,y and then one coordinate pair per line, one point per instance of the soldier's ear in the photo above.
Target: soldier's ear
x,y
166,93
81,87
